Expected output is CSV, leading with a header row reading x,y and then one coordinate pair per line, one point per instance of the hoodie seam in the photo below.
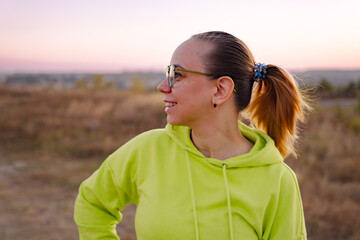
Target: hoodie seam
x,y
299,205
118,188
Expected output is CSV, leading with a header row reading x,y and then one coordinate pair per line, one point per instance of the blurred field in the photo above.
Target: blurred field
x,y
50,141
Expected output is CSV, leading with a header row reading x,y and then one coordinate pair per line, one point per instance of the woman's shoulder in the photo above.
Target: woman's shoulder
x,y
150,136
287,176
140,144
145,139
281,174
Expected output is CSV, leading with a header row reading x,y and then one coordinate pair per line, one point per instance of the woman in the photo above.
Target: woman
x,y
206,175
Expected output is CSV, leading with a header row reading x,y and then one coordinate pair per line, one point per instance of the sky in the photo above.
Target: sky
x,y
140,35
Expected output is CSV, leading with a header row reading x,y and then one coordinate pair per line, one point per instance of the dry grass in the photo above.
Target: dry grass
x,y
52,140
329,173
75,123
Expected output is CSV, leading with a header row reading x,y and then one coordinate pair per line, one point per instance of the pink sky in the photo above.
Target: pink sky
x,y
112,35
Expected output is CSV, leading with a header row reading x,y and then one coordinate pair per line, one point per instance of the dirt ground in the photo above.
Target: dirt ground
x,y
51,141
37,199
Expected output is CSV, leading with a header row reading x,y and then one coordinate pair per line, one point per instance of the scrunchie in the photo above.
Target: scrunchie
x,y
259,71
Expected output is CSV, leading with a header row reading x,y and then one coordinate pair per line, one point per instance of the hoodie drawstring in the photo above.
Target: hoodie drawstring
x,y
193,199
228,202
192,196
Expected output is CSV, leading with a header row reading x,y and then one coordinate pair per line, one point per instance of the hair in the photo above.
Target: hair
x,y
274,104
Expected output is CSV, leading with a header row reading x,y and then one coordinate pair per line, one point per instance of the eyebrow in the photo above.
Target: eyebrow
x,y
178,66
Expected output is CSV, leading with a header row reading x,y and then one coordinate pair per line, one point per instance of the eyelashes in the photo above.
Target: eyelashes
x,y
177,75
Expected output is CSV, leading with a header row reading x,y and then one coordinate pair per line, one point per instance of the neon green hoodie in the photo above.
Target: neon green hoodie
x,y
180,194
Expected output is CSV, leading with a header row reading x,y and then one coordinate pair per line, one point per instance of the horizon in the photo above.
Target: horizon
x,y
114,37
156,71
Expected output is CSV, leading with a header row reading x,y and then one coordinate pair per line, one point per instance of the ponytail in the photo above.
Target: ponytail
x,y
276,105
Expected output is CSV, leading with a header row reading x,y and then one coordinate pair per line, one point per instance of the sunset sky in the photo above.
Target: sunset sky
x,y
119,35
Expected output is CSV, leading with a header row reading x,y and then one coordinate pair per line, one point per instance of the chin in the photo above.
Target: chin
x,y
174,121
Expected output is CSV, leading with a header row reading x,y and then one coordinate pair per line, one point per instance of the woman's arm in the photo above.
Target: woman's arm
x,y
288,220
102,196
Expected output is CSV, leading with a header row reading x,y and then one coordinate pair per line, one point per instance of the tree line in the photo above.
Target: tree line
x,y
327,90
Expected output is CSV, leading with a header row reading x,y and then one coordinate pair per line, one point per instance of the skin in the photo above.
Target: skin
x,y
214,130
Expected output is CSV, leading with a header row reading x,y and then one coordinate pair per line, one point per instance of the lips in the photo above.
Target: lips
x,y
169,105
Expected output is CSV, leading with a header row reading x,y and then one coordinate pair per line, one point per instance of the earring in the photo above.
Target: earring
x,y
215,105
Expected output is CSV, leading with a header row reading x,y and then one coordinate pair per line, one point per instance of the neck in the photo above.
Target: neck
x,y
220,140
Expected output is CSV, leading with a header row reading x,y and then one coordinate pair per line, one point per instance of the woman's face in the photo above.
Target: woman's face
x,y
189,101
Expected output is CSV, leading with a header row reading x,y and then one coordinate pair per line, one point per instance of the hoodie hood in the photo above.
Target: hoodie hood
x,y
264,151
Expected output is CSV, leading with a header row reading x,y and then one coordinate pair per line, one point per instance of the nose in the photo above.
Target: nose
x,y
164,86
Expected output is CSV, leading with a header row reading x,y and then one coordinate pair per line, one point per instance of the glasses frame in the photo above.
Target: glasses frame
x,y
171,69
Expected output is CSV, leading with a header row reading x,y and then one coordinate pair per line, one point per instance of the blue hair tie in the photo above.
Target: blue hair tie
x,y
259,71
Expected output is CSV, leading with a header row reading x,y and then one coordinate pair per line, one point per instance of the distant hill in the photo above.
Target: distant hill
x,y
335,77
149,80
125,80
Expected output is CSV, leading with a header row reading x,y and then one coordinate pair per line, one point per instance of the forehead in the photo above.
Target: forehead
x,y
191,54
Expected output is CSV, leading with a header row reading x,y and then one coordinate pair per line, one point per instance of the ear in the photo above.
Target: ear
x,y
224,90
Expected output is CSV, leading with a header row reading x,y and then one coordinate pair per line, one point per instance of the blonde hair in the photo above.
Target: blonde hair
x,y
276,106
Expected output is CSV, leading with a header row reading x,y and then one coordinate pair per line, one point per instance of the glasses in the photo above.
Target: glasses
x,y
171,74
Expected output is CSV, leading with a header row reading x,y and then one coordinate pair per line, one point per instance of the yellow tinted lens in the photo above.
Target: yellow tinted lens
x,y
170,75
